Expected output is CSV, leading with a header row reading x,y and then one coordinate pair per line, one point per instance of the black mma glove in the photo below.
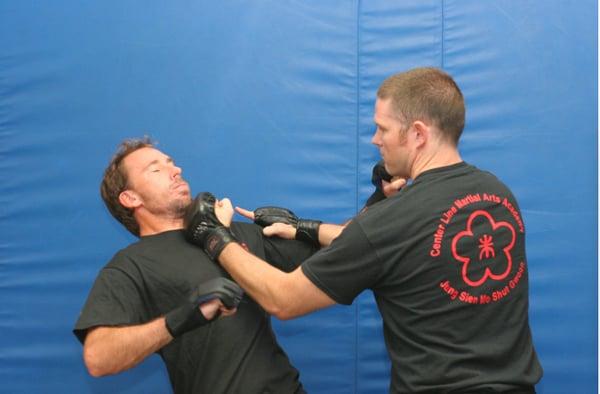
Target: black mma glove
x,y
203,228
306,230
188,316
379,174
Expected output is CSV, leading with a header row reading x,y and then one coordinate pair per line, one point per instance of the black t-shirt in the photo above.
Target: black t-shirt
x,y
445,258
236,354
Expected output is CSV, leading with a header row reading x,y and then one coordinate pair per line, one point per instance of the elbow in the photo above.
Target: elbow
x,y
93,362
284,315
278,313
282,312
96,373
283,301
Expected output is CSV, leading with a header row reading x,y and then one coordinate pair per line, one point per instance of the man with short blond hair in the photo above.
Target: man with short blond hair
x,y
444,257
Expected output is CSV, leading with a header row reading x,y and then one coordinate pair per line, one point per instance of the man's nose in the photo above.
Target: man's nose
x,y
376,140
175,172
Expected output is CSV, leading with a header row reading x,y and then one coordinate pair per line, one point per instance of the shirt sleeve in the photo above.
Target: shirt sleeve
x,y
284,254
346,267
113,301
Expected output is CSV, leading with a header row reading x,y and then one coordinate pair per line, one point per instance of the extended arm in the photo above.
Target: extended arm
x,y
283,223
284,295
326,232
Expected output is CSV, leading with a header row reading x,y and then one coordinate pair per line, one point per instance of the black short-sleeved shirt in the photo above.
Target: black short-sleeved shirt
x,y
236,354
445,258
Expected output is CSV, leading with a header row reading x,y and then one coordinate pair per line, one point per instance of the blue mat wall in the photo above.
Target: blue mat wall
x,y
272,102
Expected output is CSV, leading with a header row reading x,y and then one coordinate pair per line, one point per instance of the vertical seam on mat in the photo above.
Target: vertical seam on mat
x,y
442,35
357,194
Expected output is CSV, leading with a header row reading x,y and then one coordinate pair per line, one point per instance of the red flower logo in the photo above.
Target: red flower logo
x,y
476,248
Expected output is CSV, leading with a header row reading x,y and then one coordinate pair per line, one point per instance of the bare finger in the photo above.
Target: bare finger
x,y
246,213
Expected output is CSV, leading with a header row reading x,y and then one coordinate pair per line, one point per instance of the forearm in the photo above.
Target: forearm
x,y
263,282
110,350
329,232
285,295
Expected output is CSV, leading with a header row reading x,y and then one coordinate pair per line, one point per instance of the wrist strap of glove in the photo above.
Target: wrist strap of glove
x,y
216,241
308,231
187,317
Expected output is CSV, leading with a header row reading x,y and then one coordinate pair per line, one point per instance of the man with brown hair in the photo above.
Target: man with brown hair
x,y
163,295
444,257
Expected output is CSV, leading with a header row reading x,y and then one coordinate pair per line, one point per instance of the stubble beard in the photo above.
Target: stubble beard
x,y
174,209
177,207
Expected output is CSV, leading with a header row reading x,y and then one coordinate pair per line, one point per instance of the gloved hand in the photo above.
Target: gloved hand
x,y
188,316
203,228
378,175
385,184
307,230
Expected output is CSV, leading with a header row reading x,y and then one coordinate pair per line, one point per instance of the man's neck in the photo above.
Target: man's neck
x,y
442,156
155,225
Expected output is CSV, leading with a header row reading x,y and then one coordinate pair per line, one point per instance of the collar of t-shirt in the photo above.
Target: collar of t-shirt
x,y
438,170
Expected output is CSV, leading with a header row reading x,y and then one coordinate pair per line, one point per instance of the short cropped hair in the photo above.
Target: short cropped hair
x,y
115,181
427,94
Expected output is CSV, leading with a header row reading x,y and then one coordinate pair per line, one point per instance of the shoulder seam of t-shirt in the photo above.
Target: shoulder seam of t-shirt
x,y
379,260
122,272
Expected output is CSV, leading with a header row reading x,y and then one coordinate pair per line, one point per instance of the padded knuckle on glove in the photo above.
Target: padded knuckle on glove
x,y
199,217
224,289
266,216
203,228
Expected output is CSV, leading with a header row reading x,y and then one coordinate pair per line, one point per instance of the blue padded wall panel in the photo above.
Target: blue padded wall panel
x,y
393,36
238,93
289,120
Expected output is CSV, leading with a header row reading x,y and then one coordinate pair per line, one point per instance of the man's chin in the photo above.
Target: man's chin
x,y
388,169
181,206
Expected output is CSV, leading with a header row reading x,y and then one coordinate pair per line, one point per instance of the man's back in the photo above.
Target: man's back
x,y
453,289
445,258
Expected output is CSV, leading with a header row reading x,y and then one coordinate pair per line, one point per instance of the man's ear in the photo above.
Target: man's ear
x,y
130,199
422,132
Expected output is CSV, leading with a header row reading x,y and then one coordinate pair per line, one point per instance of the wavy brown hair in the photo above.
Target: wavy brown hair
x,y
115,181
